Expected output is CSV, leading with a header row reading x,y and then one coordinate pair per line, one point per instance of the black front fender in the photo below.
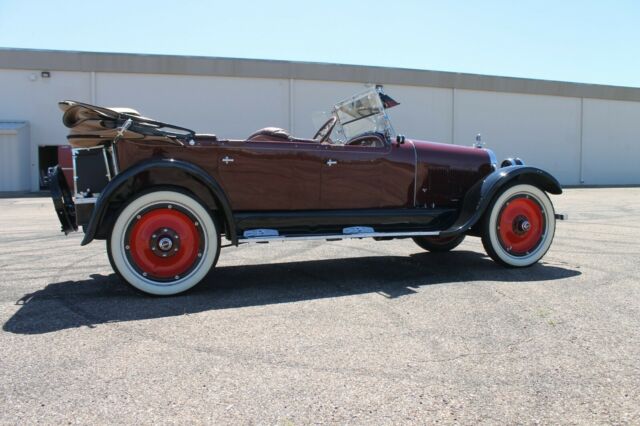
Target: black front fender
x,y
122,178
480,195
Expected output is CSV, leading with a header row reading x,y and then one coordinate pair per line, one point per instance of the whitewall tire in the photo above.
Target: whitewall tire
x,y
163,243
519,226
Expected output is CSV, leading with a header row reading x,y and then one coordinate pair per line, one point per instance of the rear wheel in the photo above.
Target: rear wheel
x,y
163,243
519,226
439,244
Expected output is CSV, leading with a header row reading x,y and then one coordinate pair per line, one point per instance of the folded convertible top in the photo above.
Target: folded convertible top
x,y
93,125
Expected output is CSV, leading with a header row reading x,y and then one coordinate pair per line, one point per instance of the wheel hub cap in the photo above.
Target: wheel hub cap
x,y
164,244
521,225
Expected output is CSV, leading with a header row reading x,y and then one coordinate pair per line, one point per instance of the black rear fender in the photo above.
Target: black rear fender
x,y
157,174
480,195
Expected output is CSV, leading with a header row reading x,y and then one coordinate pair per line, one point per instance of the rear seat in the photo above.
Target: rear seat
x,y
269,134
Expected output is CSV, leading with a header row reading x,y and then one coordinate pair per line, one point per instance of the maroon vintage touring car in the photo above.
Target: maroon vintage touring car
x,y
162,195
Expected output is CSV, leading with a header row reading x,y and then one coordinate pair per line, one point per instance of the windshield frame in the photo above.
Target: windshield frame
x,y
348,112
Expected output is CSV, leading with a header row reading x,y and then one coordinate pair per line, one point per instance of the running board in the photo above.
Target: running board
x,y
331,237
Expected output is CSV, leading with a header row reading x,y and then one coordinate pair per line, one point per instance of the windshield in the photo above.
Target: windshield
x,y
360,114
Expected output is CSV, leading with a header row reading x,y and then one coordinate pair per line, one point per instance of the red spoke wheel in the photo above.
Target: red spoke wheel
x,y
519,226
163,242
439,244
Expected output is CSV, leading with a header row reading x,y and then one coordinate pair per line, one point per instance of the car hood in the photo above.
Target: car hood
x,y
445,172
453,156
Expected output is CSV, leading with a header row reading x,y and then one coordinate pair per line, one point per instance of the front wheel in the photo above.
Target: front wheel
x,y
519,226
163,243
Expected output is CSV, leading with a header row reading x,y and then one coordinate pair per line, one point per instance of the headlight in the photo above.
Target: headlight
x,y
507,162
492,158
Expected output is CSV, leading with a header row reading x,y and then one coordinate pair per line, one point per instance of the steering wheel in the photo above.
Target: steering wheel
x,y
325,130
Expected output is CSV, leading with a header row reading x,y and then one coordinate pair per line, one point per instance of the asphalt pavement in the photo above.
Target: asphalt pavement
x,y
356,332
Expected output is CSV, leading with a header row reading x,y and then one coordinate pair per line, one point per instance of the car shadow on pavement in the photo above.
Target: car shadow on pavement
x,y
104,298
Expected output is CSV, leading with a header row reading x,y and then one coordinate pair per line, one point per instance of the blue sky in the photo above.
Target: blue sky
x,y
584,41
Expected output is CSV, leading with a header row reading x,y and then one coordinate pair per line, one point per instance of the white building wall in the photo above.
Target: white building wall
x,y
542,130
14,156
227,106
611,142
552,132
35,101
424,113
310,97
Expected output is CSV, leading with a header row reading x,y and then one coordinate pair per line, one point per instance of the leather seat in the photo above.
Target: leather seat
x,y
269,134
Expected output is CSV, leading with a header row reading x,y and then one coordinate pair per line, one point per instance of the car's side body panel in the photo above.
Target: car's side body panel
x,y
356,177
269,175
274,182
277,175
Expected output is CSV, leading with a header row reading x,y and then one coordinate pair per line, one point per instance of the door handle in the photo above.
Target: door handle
x,y
331,162
227,159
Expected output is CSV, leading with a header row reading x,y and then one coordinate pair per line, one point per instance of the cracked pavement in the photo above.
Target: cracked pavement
x,y
328,332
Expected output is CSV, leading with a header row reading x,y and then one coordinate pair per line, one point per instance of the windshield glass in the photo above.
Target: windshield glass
x,y
360,114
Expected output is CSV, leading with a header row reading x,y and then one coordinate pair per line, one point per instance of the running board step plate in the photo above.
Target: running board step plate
x,y
358,230
255,233
343,236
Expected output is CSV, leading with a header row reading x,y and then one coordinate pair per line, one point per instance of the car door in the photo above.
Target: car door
x,y
367,177
270,175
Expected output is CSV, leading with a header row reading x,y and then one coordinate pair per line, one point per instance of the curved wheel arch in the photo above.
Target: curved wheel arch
x,y
479,197
99,224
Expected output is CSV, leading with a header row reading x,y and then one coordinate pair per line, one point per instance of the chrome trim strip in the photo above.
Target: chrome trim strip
x,y
106,163
74,152
415,173
492,158
114,159
88,148
338,236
